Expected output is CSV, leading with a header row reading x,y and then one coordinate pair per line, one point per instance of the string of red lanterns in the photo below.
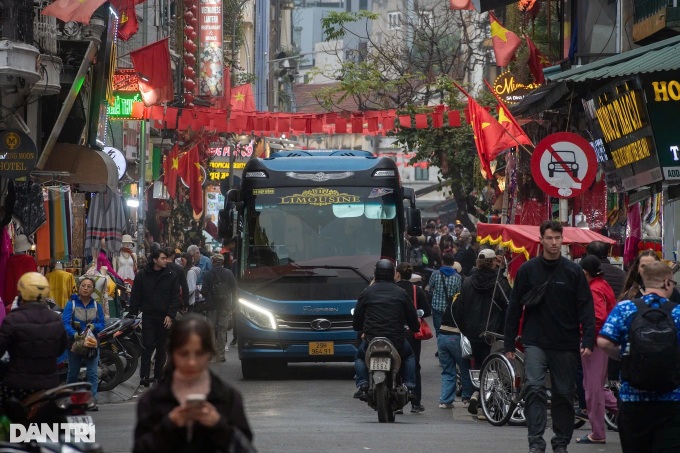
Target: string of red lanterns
x,y
191,23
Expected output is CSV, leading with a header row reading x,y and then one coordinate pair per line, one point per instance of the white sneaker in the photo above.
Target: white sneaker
x,y
446,406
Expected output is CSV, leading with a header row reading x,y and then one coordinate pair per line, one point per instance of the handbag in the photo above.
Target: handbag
x,y
535,295
83,346
425,332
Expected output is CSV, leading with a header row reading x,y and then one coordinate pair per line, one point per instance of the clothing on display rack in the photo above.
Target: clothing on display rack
x,y
62,286
17,265
60,222
106,220
126,266
29,209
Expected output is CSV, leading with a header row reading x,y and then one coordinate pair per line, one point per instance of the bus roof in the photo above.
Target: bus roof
x,y
321,152
322,160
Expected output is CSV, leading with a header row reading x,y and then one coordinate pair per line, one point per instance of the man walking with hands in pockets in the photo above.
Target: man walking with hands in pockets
x,y
551,335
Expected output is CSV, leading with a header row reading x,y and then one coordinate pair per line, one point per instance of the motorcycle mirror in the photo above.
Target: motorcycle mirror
x,y
420,313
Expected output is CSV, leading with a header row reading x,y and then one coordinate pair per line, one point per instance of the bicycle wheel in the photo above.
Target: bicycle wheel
x,y
610,418
496,391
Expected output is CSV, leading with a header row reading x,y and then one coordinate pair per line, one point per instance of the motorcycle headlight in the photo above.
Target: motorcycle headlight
x,y
257,315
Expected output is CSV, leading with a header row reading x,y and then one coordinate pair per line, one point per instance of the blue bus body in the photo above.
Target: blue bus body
x,y
310,226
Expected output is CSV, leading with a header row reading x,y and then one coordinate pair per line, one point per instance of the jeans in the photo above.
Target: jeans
x,y
437,320
408,365
75,361
562,366
154,337
416,345
649,427
449,357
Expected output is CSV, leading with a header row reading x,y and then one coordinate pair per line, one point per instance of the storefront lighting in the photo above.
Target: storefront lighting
x,y
133,202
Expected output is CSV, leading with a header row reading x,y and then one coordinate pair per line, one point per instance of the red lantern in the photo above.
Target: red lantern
x,y
188,30
189,72
192,36
189,84
194,22
190,46
189,59
189,3
188,98
194,9
188,15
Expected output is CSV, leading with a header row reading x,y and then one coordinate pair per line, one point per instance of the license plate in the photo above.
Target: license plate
x,y
380,364
321,348
80,419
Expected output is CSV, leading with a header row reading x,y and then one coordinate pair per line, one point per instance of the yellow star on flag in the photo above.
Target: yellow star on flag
x,y
485,125
175,164
197,165
502,118
498,30
240,97
543,60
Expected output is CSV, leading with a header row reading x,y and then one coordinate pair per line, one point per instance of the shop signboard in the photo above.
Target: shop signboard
x,y
564,165
620,119
118,159
18,154
125,92
663,105
210,57
219,166
510,90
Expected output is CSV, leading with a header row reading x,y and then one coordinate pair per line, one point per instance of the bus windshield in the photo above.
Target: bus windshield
x,y
317,233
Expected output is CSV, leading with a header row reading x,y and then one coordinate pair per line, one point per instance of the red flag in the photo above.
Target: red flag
x,y
73,10
191,173
461,4
509,122
490,137
152,64
171,170
537,62
242,98
505,42
127,22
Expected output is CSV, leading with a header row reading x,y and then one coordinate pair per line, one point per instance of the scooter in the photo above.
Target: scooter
x,y
64,404
386,392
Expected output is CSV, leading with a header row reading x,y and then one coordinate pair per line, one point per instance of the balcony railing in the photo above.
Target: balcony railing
x,y
44,29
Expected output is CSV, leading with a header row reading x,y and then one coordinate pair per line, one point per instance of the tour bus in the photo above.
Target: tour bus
x,y
309,227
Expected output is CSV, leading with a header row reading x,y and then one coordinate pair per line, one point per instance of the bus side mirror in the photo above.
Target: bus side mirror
x,y
413,222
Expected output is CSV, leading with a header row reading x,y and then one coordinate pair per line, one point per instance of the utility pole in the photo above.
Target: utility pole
x,y
141,192
232,152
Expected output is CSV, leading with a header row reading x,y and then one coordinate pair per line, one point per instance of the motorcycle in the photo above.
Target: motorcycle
x,y
386,392
65,404
120,338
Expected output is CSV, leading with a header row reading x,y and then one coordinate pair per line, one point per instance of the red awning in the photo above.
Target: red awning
x,y
525,239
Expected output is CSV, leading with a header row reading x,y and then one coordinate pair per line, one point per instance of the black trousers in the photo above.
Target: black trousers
x,y
154,338
649,427
416,345
480,351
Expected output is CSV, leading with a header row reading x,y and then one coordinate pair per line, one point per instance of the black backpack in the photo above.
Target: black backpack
x,y
221,294
652,361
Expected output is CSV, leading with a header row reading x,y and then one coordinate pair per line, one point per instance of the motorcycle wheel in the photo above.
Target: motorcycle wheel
x,y
111,369
131,362
383,403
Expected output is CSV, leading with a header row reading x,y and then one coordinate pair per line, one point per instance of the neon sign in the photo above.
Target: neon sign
x,y
122,105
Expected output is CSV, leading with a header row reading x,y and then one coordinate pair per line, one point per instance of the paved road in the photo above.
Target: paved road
x,y
312,410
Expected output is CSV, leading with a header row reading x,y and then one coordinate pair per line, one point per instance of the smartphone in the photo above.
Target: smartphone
x,y
195,399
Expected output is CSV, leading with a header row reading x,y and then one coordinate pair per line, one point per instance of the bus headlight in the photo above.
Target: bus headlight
x,y
257,315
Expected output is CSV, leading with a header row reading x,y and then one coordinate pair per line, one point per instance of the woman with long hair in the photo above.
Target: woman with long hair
x,y
191,409
633,284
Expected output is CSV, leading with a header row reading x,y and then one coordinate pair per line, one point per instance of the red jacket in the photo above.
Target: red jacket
x,y
604,300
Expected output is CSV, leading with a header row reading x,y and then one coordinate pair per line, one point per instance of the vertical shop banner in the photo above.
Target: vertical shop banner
x,y
211,59
663,102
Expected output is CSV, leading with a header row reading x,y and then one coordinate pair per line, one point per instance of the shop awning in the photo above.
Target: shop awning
x,y
90,169
660,56
525,239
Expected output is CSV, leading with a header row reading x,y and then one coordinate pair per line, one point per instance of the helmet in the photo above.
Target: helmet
x,y
384,270
33,287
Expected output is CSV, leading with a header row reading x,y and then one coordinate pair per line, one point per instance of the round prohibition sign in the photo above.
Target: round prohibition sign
x,y
564,165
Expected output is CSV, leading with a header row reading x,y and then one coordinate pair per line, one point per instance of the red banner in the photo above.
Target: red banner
x,y
210,57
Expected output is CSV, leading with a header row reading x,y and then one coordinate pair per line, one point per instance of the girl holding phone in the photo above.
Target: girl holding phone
x,y
191,409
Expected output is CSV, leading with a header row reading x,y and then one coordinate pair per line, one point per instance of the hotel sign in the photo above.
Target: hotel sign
x,y
663,104
510,90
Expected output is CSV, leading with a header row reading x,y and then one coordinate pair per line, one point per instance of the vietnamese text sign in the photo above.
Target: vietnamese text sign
x,y
122,105
210,57
18,154
563,165
663,104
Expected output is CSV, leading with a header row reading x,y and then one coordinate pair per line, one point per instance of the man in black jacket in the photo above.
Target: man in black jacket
x,y
382,311
155,292
613,275
219,290
177,269
551,336
35,337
